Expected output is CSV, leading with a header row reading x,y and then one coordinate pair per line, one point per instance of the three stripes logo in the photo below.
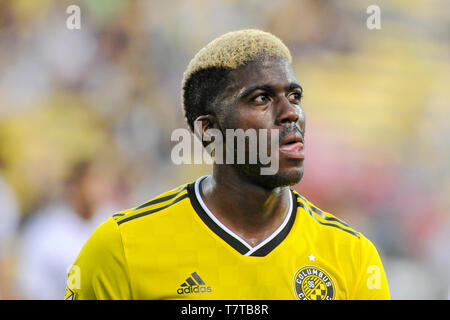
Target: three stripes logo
x,y
193,284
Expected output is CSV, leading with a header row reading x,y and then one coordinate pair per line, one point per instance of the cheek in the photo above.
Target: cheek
x,y
303,123
231,119
247,118
302,118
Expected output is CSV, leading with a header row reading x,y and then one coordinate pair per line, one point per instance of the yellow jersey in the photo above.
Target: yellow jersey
x,y
173,247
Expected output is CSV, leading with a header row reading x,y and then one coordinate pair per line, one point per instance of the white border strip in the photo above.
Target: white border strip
x,y
213,217
231,233
276,232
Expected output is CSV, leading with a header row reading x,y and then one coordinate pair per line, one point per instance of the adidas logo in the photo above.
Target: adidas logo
x,y
193,284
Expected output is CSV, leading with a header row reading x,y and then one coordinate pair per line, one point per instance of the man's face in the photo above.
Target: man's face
x,y
265,95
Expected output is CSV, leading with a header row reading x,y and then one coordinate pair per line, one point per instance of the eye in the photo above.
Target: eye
x,y
295,97
261,99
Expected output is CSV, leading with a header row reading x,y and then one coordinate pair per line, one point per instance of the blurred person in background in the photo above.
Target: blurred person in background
x,y
53,236
10,217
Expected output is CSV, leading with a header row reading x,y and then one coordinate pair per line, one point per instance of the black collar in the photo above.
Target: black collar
x,y
234,240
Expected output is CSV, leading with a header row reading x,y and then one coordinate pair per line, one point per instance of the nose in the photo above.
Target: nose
x,y
287,112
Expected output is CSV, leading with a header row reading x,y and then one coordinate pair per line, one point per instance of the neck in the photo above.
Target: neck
x,y
247,209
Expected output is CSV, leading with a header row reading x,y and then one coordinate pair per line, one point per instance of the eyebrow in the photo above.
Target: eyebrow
x,y
269,88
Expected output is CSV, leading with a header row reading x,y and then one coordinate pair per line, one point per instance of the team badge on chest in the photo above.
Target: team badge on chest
x,y
313,283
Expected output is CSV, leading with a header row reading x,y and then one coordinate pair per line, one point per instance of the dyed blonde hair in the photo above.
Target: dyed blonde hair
x,y
227,52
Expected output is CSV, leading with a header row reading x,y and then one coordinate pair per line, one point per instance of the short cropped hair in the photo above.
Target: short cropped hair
x,y
207,73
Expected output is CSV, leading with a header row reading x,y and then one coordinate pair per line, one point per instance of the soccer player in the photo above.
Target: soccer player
x,y
235,234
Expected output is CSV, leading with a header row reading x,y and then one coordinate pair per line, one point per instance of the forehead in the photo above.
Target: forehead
x,y
270,71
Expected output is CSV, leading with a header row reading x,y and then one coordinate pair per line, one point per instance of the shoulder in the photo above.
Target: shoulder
x,y
164,202
105,238
101,268
325,221
327,228
358,259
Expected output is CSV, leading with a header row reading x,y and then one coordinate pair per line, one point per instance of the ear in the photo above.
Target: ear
x,y
203,123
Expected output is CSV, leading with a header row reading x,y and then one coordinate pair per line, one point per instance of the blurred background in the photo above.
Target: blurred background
x,y
86,117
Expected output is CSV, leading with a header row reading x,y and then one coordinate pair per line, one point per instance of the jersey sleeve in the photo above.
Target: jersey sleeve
x,y
100,272
371,283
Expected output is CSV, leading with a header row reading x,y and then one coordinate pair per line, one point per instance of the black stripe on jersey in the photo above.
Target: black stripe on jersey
x,y
184,196
236,244
159,200
320,212
300,204
119,214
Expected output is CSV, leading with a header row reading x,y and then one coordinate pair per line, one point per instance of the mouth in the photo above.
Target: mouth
x,y
292,146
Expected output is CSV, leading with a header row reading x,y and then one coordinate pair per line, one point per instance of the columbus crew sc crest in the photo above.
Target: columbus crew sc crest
x,y
312,283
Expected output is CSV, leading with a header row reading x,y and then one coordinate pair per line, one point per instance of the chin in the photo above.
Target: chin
x,y
283,178
286,178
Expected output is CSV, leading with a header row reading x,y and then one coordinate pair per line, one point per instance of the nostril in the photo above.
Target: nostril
x,y
285,121
289,119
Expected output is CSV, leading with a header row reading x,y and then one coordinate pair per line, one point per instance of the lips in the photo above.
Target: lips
x,y
292,147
